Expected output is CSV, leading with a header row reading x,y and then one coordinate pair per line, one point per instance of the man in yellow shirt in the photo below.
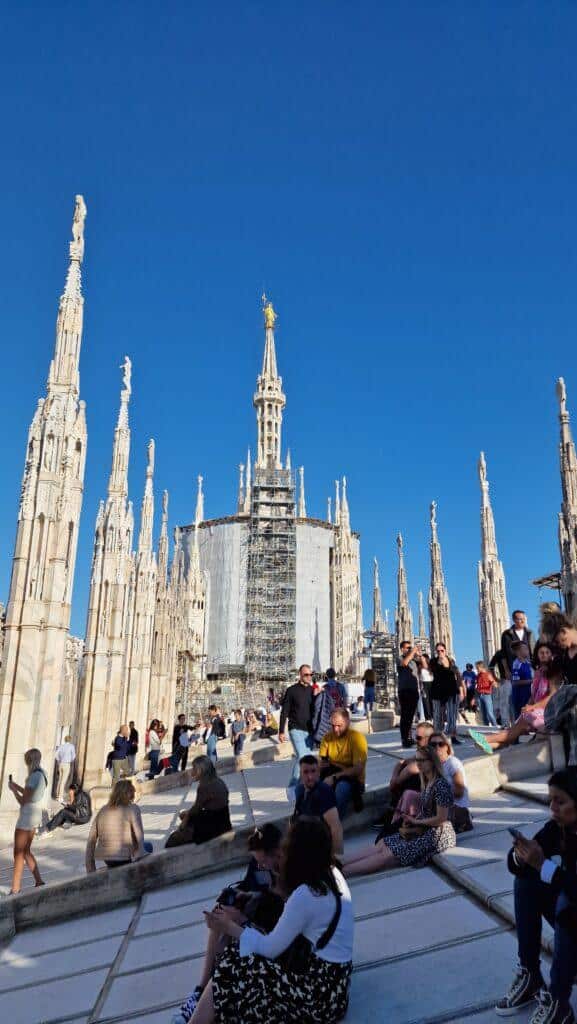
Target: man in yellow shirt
x,y
343,754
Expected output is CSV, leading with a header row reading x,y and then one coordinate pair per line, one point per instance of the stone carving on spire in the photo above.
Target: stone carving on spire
x,y
493,609
403,615
440,625
568,512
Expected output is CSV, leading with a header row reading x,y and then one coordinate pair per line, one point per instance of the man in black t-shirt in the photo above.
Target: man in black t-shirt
x,y
316,799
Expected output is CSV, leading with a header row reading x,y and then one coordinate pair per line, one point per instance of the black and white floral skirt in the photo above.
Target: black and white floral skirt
x,y
254,990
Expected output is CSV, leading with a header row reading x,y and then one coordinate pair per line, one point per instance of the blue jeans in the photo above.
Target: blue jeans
x,y
211,749
154,756
486,705
521,694
534,900
343,796
302,742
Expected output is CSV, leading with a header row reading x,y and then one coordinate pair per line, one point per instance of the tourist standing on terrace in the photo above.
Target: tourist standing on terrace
x,y
30,797
273,978
408,689
297,710
120,752
546,889
446,690
65,758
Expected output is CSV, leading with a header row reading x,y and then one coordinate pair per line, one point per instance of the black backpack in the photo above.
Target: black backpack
x,y
219,728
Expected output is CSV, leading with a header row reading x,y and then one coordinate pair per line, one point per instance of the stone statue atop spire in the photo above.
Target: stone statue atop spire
x,y
269,313
404,615
440,625
493,610
568,513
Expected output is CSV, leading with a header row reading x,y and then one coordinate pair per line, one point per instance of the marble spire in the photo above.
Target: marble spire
x,y
337,504
147,514
345,518
38,610
440,626
118,481
422,623
199,514
248,483
269,399
378,624
403,615
493,609
302,510
568,513
241,494
163,542
329,510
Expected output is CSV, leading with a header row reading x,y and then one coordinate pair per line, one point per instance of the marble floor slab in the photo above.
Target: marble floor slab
x,y
68,934
170,944
53,1002
25,969
390,892
190,892
132,992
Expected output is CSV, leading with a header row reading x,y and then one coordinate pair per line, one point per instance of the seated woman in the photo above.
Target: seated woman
x,y
209,815
546,681
421,835
252,900
546,888
116,835
454,773
250,983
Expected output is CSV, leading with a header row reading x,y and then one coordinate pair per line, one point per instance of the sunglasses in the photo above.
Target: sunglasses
x,y
437,743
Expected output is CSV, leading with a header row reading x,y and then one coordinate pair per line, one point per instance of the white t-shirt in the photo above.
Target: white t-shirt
x,y
310,915
153,740
450,768
520,633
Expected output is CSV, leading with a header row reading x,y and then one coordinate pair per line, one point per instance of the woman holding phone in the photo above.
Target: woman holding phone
x,y
546,888
30,796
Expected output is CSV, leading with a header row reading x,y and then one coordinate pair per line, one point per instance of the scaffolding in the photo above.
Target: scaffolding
x,y
271,578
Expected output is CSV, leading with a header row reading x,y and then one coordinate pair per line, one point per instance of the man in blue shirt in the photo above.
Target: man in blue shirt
x,y
521,676
317,799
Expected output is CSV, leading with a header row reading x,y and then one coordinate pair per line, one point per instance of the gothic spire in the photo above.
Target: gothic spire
x,y
63,373
422,623
269,400
568,513
302,512
404,615
493,610
147,516
118,483
345,519
248,483
329,510
337,504
199,515
241,494
441,629
378,625
163,542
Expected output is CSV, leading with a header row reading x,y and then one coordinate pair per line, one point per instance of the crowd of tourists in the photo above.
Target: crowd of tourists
x,y
283,936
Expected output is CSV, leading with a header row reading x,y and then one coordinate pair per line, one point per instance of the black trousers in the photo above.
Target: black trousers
x,y
408,700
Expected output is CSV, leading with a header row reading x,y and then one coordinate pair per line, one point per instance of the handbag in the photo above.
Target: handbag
x,y
297,957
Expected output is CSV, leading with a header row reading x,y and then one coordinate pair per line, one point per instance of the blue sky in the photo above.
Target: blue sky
x,y
400,178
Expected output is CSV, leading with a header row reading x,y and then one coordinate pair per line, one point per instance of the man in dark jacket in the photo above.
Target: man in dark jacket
x,y
120,752
78,810
517,633
447,689
545,870
297,710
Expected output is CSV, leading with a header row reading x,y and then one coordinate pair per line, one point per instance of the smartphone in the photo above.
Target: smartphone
x,y
515,833
9,778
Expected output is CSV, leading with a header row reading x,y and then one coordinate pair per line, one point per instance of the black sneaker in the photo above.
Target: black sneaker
x,y
524,989
549,1011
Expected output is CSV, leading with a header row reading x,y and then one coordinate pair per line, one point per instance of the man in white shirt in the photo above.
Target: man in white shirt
x,y
65,758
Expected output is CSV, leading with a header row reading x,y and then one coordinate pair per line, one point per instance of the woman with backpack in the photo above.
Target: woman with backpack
x,y
31,798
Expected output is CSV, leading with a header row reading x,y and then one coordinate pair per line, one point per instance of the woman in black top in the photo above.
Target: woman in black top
x,y
547,888
446,691
566,639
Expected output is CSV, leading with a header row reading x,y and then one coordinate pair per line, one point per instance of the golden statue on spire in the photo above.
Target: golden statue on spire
x,y
269,313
